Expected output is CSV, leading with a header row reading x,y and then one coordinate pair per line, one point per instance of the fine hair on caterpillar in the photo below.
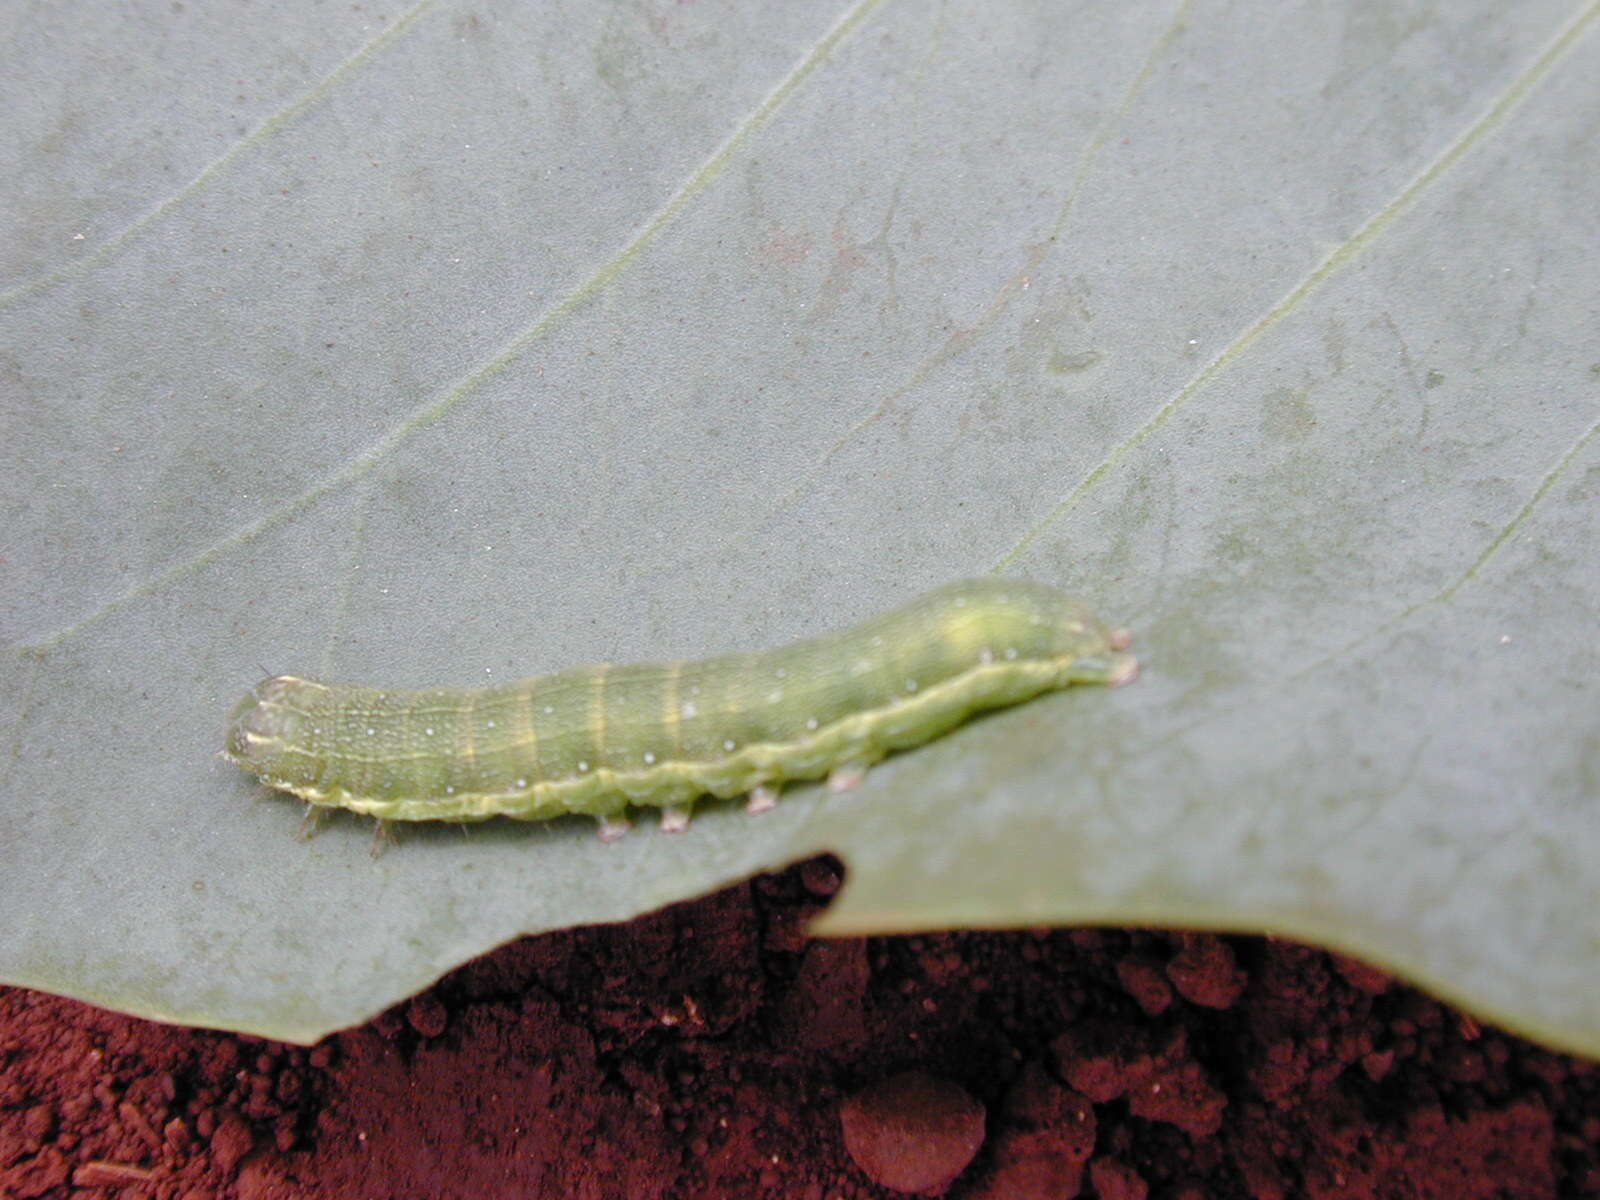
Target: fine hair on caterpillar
x,y
602,738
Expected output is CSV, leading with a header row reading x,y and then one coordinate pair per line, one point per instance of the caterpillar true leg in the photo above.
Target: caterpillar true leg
x,y
310,822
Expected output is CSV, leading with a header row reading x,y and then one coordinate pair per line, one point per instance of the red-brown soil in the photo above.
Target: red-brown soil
x,y
706,1052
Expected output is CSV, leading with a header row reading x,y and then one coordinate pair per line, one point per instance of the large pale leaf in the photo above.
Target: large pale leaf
x,y
460,342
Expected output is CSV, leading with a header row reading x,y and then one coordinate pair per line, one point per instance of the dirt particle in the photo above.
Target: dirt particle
x,y
912,1132
1046,1134
427,1015
1205,971
231,1142
1361,976
821,876
1113,1179
1146,983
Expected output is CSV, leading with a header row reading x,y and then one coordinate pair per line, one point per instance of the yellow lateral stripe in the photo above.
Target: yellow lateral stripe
x,y
466,738
672,712
597,714
527,735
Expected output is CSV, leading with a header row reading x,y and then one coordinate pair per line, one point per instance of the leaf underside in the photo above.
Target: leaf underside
x,y
448,348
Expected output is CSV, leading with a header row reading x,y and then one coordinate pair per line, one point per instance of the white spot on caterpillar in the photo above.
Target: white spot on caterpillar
x,y
583,765
728,744
491,724
774,696
688,709
649,757
811,722
428,731
522,783
986,656
911,685
371,732
449,790
1011,652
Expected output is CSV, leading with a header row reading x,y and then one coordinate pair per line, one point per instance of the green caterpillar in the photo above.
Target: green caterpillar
x,y
596,739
